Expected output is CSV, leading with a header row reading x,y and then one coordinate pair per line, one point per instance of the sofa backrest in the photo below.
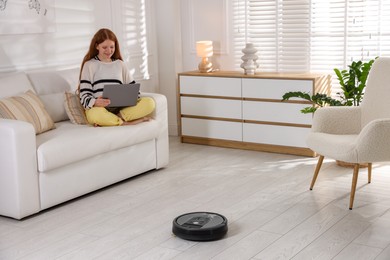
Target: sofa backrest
x,y
51,86
14,84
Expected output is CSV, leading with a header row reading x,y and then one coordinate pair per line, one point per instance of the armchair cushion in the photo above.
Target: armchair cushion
x,y
340,147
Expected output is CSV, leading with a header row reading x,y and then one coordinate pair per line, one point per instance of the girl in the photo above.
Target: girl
x,y
103,64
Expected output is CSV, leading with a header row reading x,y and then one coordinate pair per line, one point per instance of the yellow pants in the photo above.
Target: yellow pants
x,y
102,117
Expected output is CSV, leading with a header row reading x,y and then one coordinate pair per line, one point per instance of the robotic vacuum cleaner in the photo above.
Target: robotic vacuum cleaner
x,y
200,226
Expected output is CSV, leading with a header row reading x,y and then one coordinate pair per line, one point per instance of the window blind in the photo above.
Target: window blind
x,y
311,35
135,48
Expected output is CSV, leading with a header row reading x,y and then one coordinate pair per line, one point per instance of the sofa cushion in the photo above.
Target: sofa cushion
x,y
74,109
51,86
29,108
70,143
14,84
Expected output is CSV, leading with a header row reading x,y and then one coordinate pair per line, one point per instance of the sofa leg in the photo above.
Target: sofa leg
x,y
354,182
317,170
369,172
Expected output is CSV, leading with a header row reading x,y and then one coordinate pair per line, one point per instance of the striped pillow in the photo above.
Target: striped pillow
x,y
29,108
74,109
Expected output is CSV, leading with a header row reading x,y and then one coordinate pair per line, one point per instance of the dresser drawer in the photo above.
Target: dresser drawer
x,y
276,112
224,108
275,135
273,88
211,129
210,86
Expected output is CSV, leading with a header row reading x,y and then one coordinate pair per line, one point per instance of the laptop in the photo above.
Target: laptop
x,y
122,95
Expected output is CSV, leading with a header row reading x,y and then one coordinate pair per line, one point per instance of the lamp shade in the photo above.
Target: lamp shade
x,y
204,48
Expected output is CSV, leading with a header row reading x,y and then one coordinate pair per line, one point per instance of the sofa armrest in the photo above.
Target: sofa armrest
x,y
160,114
337,120
19,184
161,111
373,143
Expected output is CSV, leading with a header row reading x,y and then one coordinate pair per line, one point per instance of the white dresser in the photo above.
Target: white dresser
x,y
230,109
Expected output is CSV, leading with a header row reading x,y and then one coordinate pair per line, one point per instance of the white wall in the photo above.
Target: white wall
x,y
180,23
167,15
76,22
207,20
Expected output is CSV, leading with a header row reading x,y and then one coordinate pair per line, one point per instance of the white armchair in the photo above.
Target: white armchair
x,y
356,134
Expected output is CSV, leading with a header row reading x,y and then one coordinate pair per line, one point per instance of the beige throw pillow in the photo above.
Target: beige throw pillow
x,y
29,108
74,109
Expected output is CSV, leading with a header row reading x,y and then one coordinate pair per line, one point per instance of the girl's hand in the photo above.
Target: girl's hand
x,y
102,102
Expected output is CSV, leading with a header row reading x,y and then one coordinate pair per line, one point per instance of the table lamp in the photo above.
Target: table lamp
x,y
204,49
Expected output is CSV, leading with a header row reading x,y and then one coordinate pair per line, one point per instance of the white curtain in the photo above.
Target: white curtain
x,y
311,35
135,47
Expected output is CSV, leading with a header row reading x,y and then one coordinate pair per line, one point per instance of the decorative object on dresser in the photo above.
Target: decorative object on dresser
x,y
230,109
204,50
249,59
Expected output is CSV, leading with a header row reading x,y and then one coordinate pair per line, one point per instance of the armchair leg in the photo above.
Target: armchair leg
x,y
369,172
354,182
317,170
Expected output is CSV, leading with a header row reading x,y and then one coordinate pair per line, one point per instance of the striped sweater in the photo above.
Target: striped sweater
x,y
96,74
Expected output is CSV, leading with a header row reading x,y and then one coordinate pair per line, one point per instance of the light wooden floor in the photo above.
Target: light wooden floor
x,y
266,198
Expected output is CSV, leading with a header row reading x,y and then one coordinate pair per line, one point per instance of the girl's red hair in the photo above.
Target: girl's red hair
x,y
99,37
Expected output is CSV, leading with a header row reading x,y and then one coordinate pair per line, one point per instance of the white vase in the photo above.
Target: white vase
x,y
249,59
250,67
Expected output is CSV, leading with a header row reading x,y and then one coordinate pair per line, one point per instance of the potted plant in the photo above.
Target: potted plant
x,y
352,82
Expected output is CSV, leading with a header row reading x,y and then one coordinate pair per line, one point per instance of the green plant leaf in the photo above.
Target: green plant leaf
x,y
308,110
297,94
353,82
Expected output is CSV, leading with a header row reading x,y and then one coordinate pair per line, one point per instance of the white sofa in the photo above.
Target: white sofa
x,y
40,171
